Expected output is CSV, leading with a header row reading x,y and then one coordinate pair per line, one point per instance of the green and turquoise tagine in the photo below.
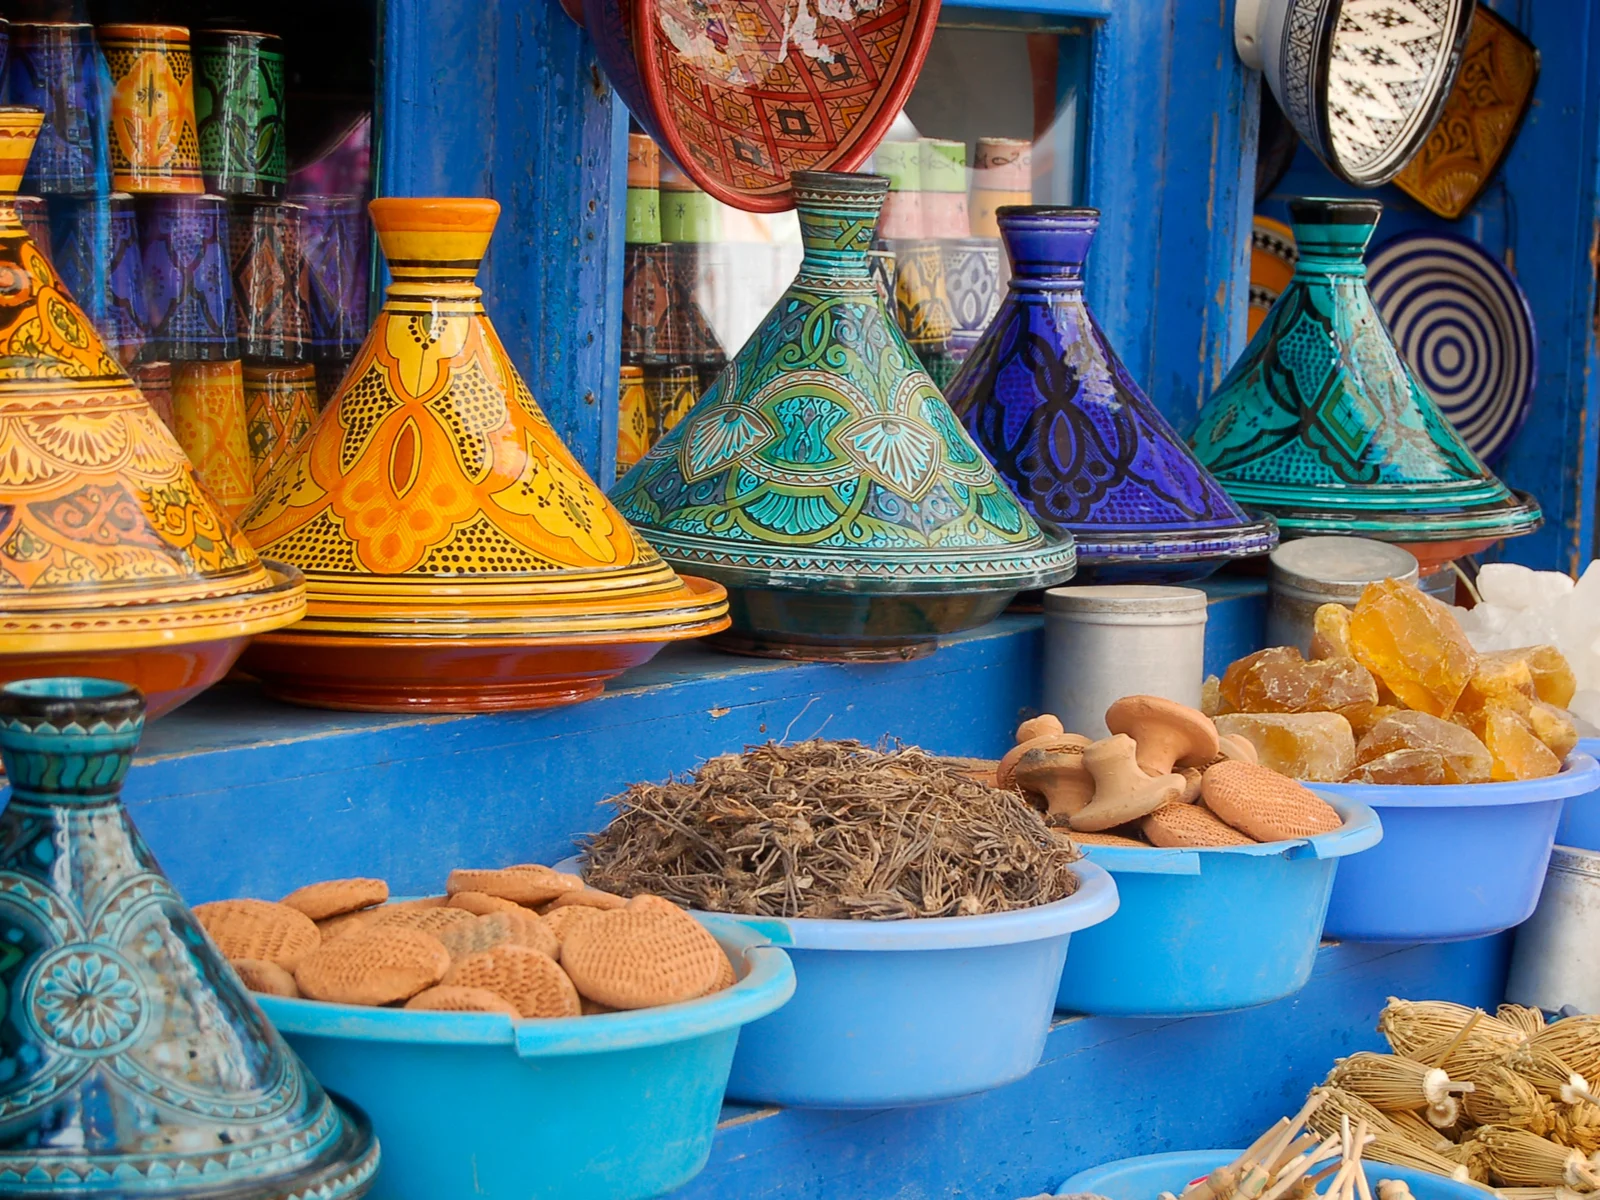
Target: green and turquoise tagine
x,y
1322,424
133,1063
824,480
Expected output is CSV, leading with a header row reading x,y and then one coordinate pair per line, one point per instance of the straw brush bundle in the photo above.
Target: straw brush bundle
x,y
1394,1084
1518,1158
1502,1097
1385,1143
1442,1034
1575,1041
1549,1073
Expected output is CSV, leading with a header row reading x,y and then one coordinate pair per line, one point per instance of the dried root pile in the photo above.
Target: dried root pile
x,y
832,829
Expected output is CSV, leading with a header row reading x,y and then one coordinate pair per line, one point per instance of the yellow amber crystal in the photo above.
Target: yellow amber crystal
x,y
1518,753
1503,678
1463,757
1377,713
1553,726
1280,680
1330,632
1316,746
1413,644
1403,767
1553,679
1211,696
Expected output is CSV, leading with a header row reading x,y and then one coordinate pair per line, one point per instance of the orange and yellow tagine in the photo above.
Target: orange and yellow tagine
x,y
457,557
114,560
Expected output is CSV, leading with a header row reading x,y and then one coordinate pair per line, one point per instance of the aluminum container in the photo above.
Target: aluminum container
x,y
1556,961
1309,572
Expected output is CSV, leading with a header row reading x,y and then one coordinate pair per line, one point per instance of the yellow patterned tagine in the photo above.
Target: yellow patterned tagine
x,y
114,560
457,557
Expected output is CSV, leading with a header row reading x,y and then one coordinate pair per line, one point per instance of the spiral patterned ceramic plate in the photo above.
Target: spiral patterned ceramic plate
x,y
1462,323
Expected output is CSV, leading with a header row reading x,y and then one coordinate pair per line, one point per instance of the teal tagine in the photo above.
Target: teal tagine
x,y
824,480
133,1063
1322,424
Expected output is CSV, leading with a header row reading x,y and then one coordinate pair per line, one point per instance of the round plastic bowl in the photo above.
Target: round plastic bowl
x,y
1580,815
1212,930
1147,1177
1457,861
889,1013
481,1106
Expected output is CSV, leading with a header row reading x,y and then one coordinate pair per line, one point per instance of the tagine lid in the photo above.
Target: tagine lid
x,y
1053,407
823,457
138,1064
99,507
1321,423
433,497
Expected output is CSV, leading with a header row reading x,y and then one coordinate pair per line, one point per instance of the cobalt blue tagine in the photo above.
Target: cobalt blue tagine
x,y
1047,399
133,1063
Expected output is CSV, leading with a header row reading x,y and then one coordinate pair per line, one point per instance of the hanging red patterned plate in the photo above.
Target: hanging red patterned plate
x,y
746,92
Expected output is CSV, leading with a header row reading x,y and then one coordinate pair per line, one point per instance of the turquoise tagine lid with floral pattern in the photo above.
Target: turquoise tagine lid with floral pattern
x,y
133,1062
824,461
1321,424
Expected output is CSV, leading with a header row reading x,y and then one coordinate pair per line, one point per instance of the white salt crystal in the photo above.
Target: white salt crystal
x,y
1512,586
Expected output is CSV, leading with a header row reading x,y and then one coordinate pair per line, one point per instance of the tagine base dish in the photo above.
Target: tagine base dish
x,y
169,676
850,626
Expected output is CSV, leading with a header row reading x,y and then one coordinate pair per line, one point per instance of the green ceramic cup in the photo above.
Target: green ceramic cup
x,y
239,111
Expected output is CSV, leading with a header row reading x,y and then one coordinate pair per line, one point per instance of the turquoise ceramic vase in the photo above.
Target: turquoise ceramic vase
x,y
1321,423
824,480
133,1063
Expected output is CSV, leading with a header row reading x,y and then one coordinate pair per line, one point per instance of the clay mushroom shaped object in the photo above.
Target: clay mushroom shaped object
x,y
1168,734
1123,792
1005,773
1059,776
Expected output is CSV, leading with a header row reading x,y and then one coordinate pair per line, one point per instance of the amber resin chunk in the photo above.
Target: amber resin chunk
x,y
1318,746
1375,714
1550,676
1281,680
1518,753
1554,728
1413,644
1503,678
1330,632
1403,767
1463,757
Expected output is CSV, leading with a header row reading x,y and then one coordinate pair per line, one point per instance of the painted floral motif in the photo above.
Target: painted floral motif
x,y
85,1001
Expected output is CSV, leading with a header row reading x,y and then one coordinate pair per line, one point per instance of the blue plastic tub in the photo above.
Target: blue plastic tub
x,y
1212,930
1580,815
482,1107
1457,861
1146,1178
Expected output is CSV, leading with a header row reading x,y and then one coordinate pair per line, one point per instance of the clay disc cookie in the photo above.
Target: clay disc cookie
x,y
1267,806
1190,825
525,884
529,979
481,905
444,998
560,920
643,956
426,920
381,966
259,929
334,897
587,897
267,978
519,928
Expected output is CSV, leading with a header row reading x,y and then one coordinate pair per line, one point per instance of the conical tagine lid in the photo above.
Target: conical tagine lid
x,y
134,1061
1322,424
432,498
823,457
107,539
1047,399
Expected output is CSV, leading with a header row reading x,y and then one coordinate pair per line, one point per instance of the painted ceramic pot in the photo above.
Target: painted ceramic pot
x,y
1321,424
457,557
633,419
922,301
1047,399
184,250
723,91
1272,259
96,250
114,561
34,213
647,294
239,91
974,280
670,393
154,380
141,1056
271,282
824,479
1363,82
280,406
55,68
155,148
685,334
209,421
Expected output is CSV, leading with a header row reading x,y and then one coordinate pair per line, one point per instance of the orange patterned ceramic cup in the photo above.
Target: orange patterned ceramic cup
x,y
154,145
208,409
280,405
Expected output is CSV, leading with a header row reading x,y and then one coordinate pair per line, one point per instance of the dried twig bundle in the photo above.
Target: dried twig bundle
x,y
1402,1152
1519,1016
1576,1125
1337,1104
1391,1083
1550,1074
1424,1029
832,829
1502,1097
1423,1132
1576,1041
1518,1158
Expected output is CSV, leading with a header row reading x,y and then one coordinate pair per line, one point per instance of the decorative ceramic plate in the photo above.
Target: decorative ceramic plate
x,y
1272,259
745,92
1462,323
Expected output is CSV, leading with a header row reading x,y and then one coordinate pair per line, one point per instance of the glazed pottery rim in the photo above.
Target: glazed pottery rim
x,y
890,99
1523,312
1334,210
1511,518
1249,540
1051,212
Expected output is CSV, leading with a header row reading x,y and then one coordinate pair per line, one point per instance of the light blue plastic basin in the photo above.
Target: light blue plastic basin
x,y
1146,1178
1212,930
481,1107
1457,861
1580,815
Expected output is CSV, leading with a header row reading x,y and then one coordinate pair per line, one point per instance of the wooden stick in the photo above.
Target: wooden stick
x,y
1361,1175
1456,1042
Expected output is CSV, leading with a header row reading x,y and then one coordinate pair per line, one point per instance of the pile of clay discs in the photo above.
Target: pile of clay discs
x,y
525,941
1163,778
